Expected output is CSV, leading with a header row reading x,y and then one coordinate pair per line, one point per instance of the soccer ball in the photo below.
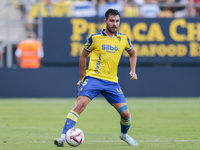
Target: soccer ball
x,y
74,137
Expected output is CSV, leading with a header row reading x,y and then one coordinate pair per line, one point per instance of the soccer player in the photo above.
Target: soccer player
x,y
105,49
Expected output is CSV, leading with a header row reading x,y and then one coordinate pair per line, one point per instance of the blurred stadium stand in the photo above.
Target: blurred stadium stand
x,y
20,16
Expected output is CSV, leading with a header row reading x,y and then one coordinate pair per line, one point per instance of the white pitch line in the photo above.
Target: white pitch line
x,y
155,141
109,141
169,140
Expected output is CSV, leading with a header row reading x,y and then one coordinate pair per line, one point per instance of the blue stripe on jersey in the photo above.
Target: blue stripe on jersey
x,y
96,34
129,49
120,33
87,49
129,44
103,33
89,41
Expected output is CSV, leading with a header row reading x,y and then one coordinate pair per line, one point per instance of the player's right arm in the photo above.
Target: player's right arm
x,y
82,65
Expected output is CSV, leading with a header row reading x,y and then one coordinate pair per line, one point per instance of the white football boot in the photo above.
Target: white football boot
x,y
59,142
129,140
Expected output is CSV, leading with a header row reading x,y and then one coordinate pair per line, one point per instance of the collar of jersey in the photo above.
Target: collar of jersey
x,y
103,33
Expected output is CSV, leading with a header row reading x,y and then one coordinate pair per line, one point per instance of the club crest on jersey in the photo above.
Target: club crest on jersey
x,y
102,39
119,38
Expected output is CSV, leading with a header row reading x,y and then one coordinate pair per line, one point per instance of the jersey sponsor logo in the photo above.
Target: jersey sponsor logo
x,y
110,48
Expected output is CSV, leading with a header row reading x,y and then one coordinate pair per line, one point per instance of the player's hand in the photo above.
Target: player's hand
x,y
78,83
133,75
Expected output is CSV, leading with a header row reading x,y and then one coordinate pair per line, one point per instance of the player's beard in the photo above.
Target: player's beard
x,y
111,29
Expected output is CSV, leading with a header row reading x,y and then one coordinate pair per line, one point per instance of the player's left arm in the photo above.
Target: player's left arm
x,y
133,62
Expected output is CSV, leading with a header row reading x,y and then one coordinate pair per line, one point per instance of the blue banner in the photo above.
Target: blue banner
x,y
158,40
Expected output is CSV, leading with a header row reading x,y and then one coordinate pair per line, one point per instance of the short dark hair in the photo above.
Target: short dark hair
x,y
111,12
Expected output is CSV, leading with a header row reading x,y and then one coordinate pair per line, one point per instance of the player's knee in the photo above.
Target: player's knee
x,y
80,105
78,108
125,114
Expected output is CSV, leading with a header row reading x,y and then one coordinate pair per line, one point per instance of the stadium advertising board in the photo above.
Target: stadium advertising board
x,y
158,40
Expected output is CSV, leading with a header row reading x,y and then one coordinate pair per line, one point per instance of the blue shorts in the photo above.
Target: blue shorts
x,y
91,87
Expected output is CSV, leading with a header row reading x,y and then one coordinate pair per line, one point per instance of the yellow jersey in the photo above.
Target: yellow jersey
x,y
105,54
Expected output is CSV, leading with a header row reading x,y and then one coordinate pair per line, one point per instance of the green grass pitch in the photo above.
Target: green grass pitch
x,y
157,124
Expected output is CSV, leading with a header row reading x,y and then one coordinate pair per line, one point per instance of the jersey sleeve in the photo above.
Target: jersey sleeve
x,y
88,44
129,45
